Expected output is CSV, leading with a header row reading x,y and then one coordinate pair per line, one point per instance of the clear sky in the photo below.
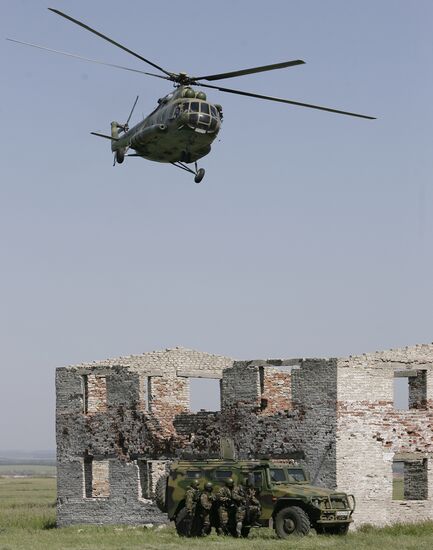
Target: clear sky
x,y
311,234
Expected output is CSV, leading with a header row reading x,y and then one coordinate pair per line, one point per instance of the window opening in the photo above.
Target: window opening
x,y
409,479
204,108
145,393
96,477
94,393
149,471
143,478
195,106
410,389
204,394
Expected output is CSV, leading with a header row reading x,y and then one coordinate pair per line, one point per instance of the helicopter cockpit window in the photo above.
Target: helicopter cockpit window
x,y
202,115
175,111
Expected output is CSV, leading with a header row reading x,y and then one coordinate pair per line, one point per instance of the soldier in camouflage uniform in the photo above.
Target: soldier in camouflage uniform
x,y
240,501
207,498
225,504
192,497
253,505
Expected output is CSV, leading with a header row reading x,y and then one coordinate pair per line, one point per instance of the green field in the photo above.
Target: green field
x,y
27,521
35,470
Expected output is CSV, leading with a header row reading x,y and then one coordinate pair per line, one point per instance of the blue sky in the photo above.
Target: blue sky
x,y
311,234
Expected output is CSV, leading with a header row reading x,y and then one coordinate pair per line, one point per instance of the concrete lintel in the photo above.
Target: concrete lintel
x,y
152,372
97,371
405,373
198,374
407,457
297,362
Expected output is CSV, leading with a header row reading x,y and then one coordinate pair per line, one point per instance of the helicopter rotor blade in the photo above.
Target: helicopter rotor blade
x,y
281,100
86,58
84,26
132,110
242,72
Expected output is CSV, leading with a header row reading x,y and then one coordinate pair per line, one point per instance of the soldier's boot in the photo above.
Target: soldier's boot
x,y
239,529
206,530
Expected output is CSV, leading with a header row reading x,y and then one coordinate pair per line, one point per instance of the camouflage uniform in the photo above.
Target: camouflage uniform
x,y
253,505
206,501
224,499
240,500
192,497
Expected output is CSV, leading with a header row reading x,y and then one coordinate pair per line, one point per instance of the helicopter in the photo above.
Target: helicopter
x,y
184,124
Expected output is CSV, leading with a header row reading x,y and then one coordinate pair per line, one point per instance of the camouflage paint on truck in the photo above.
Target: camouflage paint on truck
x,y
277,486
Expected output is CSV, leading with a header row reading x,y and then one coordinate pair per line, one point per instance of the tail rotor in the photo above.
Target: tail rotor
x,y
116,128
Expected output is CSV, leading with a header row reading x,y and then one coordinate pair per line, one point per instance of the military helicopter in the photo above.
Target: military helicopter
x,y
183,126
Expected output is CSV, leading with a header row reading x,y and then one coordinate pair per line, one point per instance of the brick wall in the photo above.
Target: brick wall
x,y
335,416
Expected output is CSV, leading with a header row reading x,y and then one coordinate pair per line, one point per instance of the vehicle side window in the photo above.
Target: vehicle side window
x,y
193,474
222,474
258,480
297,474
278,475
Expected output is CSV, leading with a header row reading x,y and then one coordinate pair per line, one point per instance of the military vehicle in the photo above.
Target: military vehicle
x,y
183,126
290,503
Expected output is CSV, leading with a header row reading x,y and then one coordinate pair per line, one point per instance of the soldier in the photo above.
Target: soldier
x,y
207,498
192,496
253,505
225,503
240,500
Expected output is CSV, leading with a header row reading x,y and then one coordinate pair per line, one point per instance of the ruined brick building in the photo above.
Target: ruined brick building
x,y
120,422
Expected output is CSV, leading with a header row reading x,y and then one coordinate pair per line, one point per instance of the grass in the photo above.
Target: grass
x,y
398,488
27,520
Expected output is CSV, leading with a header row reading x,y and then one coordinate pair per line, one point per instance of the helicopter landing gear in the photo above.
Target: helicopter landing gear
x,y
198,173
120,156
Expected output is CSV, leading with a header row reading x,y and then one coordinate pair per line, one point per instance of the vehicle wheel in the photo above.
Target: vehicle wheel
x,y
245,532
120,156
160,490
200,175
183,523
334,529
291,521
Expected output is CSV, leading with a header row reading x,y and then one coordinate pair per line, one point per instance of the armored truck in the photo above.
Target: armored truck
x,y
289,502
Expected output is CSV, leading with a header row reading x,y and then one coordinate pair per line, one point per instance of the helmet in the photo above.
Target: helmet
x,y
195,484
208,486
229,482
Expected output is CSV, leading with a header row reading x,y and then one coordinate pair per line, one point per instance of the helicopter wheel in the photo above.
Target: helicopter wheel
x,y
199,175
120,156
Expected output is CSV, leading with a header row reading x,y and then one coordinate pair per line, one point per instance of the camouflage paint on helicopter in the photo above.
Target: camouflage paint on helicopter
x,y
181,128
